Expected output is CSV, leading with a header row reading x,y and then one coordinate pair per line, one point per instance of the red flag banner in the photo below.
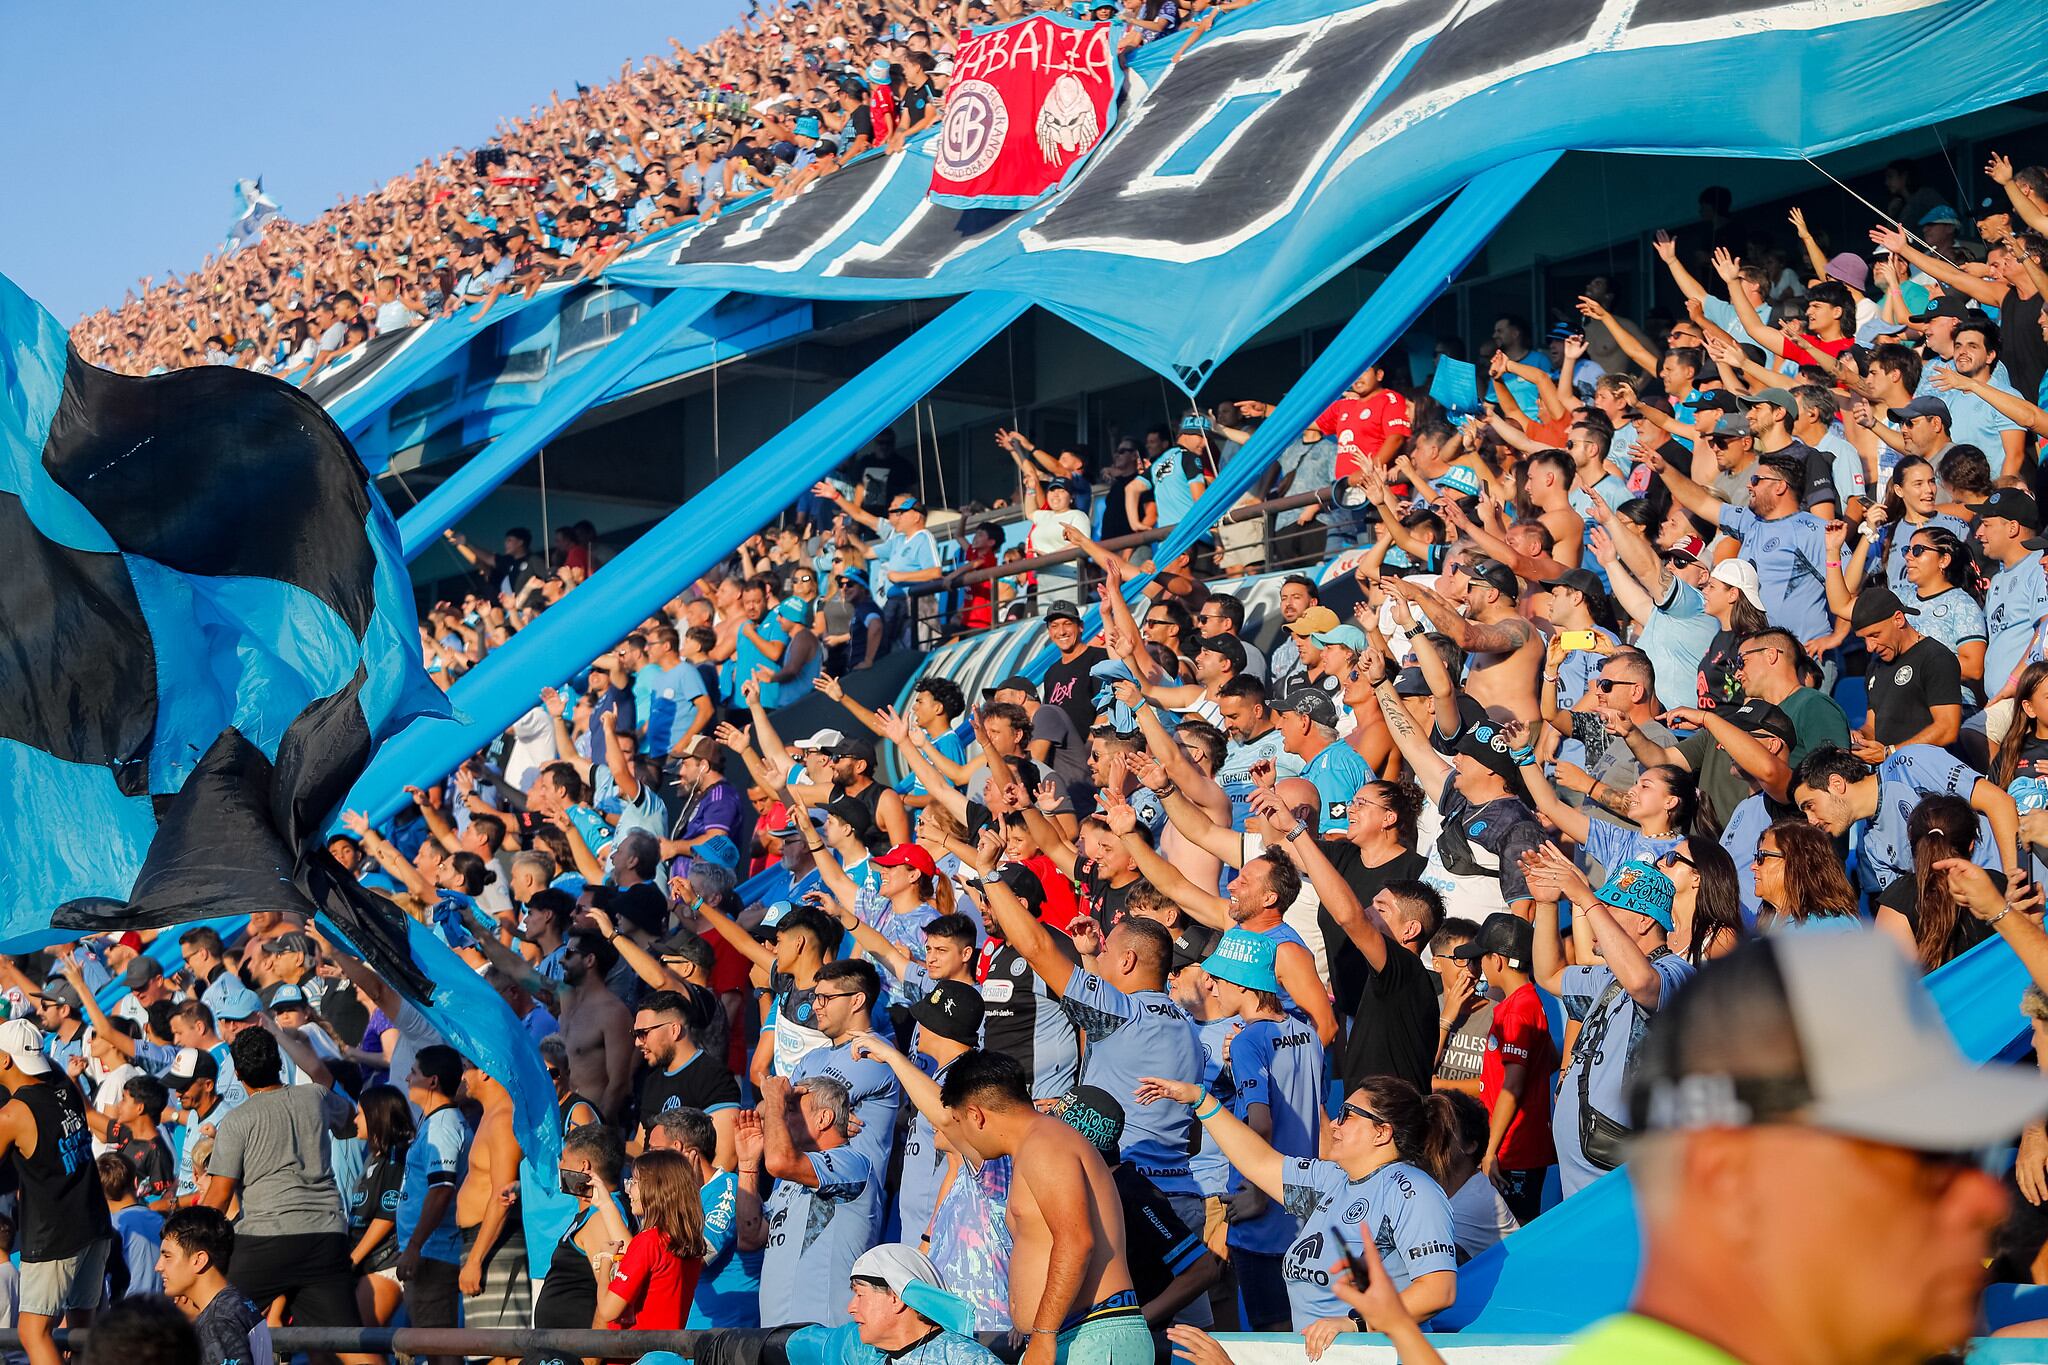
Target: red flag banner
x,y
1029,100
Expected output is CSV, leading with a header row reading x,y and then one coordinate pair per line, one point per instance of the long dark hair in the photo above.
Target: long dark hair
x,y
1816,882
1894,500
1957,568
387,1120
2005,764
1717,902
1941,826
670,1202
1425,1126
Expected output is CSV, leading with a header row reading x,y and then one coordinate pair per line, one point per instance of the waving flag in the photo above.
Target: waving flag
x,y
1028,101
253,208
208,635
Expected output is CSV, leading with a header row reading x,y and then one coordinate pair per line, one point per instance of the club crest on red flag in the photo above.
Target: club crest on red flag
x,y
1028,102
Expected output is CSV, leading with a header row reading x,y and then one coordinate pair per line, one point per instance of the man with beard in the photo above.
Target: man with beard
x,y
680,1074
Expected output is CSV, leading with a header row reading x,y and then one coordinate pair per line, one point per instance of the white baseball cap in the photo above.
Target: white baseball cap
x,y
22,1041
897,1265
1875,1059
1740,575
824,739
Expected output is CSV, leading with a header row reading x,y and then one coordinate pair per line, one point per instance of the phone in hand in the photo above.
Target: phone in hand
x,y
1361,1274
1569,640
577,1184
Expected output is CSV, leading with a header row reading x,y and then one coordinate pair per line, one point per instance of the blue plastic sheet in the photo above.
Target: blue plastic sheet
x,y
562,405
682,547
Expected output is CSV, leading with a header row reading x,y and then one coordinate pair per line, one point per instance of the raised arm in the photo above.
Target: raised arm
x,y
1028,935
1243,1148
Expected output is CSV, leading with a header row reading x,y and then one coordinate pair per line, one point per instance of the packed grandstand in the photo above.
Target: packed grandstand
x,y
1505,797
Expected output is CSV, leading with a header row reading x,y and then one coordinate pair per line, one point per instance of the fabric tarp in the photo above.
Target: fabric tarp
x,y
562,405
680,548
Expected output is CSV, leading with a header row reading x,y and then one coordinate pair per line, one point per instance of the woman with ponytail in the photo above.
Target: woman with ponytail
x,y
1389,1148
1917,908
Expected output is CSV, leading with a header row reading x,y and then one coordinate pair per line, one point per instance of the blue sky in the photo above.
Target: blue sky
x,y
126,125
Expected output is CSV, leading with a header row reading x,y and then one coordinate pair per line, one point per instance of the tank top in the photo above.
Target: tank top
x,y
568,1297
63,1209
568,1105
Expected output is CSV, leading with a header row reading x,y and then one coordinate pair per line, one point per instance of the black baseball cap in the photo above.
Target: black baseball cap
x,y
1226,645
1193,944
951,1009
1095,1114
1063,611
1312,702
853,746
1949,305
1513,937
1760,717
1488,743
1926,405
1024,883
1497,576
1016,682
1582,581
1876,604
2012,504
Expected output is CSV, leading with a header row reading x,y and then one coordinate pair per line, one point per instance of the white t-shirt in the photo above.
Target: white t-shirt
x,y
1047,533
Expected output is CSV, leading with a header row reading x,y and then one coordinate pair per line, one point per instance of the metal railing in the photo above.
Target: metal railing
x,y
441,1341
936,624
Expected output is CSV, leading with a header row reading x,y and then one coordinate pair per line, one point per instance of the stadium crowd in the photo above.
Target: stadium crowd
x,y
1228,974
784,97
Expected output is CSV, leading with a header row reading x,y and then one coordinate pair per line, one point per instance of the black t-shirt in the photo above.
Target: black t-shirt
x,y
156,1174
1157,1244
911,107
376,1196
1902,691
1068,686
2021,346
1720,681
231,1331
1393,1028
1349,971
700,1083
344,1012
514,570
1819,485
1903,895
1103,903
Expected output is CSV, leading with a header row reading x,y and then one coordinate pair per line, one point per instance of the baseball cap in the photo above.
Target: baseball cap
x,y
22,1041
289,943
1409,682
1874,1059
951,1009
1317,618
1740,575
825,740
1926,405
1513,937
63,992
1488,744
1582,581
903,502
1640,889
1095,1114
699,746
816,815
857,817
1244,958
2012,504
235,1001
910,855
1349,636
1949,305
191,1064
1495,575
1732,425
1231,649
1875,604
1692,547
1024,884
284,995
1760,717
1940,213
141,972
1780,398
1016,682
1311,702
1063,611
853,746
1192,944
718,849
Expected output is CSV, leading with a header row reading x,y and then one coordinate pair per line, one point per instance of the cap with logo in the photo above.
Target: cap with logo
x,y
1024,885
190,1065
1095,1114
1228,648
63,992
284,995
1511,936
1949,305
1245,958
22,1041
1926,405
2013,505
816,816
1874,1060
1063,611
719,850
1410,682
1316,618
289,943
1311,702
1495,575
1640,889
1733,426
1760,717
951,1009
1489,745
1192,944
1459,479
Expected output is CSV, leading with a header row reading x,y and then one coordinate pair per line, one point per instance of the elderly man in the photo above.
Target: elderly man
x,y
902,1315
822,1209
1799,1097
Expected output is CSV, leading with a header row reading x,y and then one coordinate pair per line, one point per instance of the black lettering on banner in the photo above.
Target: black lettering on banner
x,y
786,234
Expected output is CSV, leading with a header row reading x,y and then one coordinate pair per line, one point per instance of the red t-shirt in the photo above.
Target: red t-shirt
x,y
1062,906
1520,1034
882,110
1800,352
656,1284
1365,423
731,974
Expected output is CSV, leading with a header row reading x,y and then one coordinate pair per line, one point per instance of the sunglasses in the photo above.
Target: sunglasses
x,y
640,1033
1912,550
1353,1111
1756,479
1674,857
1764,855
1609,684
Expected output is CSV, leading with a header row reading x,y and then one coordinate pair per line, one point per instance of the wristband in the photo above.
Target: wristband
x,y
1215,1108
2007,910
1834,563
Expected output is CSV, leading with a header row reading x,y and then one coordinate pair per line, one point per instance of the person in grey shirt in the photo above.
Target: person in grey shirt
x,y
292,1236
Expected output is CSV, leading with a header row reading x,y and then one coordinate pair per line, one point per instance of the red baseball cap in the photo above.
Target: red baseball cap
x,y
909,855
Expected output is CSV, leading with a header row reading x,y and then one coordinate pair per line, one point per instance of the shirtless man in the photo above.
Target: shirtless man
x,y
1505,650
597,1027
487,1212
1069,1290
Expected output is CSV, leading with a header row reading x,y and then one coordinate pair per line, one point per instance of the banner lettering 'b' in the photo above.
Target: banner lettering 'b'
x,y
1029,100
